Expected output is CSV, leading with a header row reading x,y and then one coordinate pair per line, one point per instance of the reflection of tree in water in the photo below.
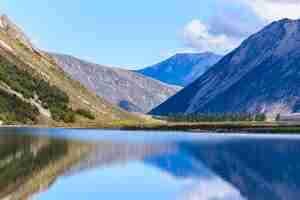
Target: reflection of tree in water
x,y
28,164
259,169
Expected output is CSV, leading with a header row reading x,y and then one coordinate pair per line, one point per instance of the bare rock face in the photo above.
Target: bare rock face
x,y
129,90
262,75
14,31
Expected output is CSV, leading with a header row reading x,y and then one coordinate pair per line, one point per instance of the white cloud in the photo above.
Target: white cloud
x,y
198,35
235,20
271,10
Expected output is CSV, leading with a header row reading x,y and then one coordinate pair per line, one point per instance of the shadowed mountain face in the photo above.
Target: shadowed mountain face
x,y
181,69
130,91
262,75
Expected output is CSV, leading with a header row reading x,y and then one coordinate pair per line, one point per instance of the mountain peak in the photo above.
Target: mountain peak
x,y
261,75
29,77
6,23
13,31
284,23
2,21
285,20
288,20
182,68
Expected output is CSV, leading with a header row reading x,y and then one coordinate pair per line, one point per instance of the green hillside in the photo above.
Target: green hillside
x,y
34,90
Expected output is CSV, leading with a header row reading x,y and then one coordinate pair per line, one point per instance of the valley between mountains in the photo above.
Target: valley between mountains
x,y
261,76
34,90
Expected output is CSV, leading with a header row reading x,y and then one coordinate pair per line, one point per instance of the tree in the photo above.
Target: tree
x,y
278,117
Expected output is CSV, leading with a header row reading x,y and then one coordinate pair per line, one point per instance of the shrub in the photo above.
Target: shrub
x,y
85,113
24,82
62,114
14,110
278,117
260,117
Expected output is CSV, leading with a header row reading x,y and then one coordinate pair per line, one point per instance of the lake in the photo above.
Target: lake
x,y
47,164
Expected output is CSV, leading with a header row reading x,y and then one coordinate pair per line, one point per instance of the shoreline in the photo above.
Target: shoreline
x,y
218,127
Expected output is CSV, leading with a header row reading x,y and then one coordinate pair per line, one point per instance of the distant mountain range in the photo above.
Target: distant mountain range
x,y
34,90
181,69
129,90
261,75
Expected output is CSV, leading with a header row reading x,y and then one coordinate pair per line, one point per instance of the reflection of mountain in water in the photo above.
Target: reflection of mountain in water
x,y
237,168
259,169
110,153
180,165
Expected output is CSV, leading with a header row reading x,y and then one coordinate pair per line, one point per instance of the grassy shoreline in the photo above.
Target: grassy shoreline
x,y
222,127
211,127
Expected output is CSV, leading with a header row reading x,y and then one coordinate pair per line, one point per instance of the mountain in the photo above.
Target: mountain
x,y
181,69
34,90
261,75
129,90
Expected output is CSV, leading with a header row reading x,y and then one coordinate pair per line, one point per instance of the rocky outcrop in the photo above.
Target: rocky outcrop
x,y
14,31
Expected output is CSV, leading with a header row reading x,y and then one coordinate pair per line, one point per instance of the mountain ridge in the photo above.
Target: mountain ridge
x,y
129,90
244,80
33,85
182,68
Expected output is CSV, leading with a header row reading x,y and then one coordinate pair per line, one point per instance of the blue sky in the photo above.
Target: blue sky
x,y
119,33
135,33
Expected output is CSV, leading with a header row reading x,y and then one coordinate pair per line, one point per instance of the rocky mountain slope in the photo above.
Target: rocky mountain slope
x,y
33,89
129,90
181,69
262,75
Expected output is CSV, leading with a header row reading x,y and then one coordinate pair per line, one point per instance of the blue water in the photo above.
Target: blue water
x,y
178,166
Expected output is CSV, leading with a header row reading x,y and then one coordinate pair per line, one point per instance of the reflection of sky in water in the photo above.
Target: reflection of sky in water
x,y
211,189
128,181
139,180
175,166
140,136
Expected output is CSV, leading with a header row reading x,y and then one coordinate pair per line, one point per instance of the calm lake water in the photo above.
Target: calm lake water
x,y
48,164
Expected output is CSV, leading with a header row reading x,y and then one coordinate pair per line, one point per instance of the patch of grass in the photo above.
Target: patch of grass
x,y
124,123
85,113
